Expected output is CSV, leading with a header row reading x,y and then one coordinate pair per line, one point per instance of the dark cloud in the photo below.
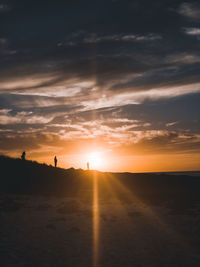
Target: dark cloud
x,y
190,10
174,76
4,7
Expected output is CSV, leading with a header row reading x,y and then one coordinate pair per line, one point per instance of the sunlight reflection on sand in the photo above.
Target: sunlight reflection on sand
x,y
95,221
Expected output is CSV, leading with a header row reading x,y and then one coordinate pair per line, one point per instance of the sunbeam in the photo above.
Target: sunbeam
x,y
95,220
146,210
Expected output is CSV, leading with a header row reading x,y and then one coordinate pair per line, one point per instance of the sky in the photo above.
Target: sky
x,y
119,78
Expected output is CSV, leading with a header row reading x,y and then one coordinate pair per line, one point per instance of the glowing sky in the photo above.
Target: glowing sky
x,y
115,77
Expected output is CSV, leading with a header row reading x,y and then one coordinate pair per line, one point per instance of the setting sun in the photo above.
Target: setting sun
x,y
95,160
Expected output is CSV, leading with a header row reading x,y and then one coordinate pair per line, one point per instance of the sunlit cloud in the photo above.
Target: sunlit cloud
x,y
192,31
171,123
26,82
23,118
138,97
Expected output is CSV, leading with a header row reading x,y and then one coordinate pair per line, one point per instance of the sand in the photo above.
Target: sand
x,y
53,231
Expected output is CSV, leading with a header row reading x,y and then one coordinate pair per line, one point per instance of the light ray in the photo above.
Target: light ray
x,y
147,211
95,220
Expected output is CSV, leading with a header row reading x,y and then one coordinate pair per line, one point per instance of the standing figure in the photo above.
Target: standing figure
x,y
88,165
23,155
55,161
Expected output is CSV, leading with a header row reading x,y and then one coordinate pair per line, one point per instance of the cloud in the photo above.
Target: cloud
x,y
23,118
183,58
48,142
192,31
93,38
169,124
161,142
82,37
131,129
4,48
140,142
115,75
190,10
4,8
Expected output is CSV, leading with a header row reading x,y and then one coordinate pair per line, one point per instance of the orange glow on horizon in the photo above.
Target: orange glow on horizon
x,y
103,160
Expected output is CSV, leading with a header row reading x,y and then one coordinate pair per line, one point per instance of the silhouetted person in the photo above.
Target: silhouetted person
x,y
23,155
88,166
55,161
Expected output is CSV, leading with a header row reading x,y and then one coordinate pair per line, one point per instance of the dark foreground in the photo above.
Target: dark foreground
x,y
47,218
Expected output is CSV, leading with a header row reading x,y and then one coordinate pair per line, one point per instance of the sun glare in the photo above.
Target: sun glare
x,y
95,160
